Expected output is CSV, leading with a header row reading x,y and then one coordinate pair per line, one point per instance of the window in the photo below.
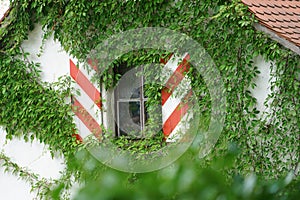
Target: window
x,y
130,109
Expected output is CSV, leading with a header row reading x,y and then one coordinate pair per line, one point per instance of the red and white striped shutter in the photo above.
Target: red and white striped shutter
x,y
87,105
175,97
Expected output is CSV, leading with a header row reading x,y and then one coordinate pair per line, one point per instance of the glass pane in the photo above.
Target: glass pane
x,y
135,113
129,118
128,86
136,93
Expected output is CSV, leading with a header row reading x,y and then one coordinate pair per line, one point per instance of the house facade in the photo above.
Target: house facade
x,y
279,19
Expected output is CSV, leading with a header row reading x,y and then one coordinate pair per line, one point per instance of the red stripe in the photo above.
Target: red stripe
x,y
86,118
166,59
85,84
176,115
93,63
175,79
78,137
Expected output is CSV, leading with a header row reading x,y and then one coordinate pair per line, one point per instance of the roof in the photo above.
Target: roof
x,y
280,16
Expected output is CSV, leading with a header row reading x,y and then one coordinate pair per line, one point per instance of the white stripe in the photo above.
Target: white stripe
x,y
83,131
174,100
174,61
181,128
170,67
90,74
170,105
87,70
88,104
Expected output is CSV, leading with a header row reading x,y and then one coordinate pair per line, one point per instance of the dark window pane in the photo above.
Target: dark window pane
x,y
134,110
136,93
129,118
146,114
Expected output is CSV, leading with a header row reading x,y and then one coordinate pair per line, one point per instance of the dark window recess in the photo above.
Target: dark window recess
x,y
130,110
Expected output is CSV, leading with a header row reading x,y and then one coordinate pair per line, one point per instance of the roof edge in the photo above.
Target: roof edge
x,y
277,38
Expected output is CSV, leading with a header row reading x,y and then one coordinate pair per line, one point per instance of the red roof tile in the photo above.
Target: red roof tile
x,y
280,16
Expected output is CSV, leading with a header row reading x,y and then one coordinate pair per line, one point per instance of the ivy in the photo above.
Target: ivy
x,y
268,141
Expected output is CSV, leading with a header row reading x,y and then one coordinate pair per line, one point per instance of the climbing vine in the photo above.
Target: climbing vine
x,y
268,141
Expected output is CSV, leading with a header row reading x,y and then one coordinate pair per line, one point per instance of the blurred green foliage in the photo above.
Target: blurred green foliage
x,y
186,179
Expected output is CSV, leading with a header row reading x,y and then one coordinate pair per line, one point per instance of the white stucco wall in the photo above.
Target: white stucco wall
x,y
34,156
54,61
262,89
